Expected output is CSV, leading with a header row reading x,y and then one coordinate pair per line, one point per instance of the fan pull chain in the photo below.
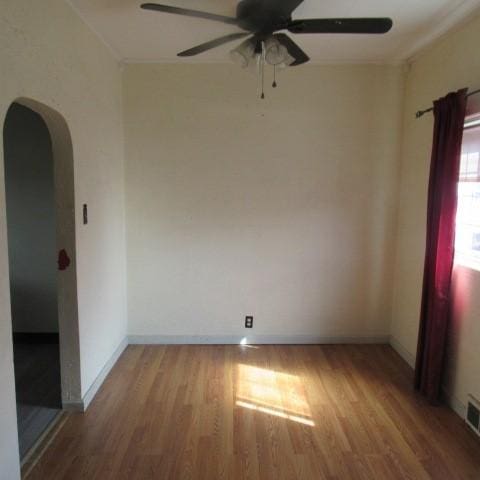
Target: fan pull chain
x,y
274,84
259,75
263,70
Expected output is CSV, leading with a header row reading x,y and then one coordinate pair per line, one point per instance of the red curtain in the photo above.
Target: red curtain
x,y
449,115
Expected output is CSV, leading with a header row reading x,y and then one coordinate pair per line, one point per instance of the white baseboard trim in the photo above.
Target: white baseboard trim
x,y
402,351
254,339
82,405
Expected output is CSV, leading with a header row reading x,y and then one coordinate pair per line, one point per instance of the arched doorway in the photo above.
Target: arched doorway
x,y
39,185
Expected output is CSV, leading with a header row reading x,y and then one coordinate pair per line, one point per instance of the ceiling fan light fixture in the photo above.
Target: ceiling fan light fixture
x,y
272,52
277,54
263,21
243,54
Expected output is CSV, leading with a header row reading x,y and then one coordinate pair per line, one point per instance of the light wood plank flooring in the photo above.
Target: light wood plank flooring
x,y
264,412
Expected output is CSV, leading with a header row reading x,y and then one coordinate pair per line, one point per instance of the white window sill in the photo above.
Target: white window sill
x,y
467,261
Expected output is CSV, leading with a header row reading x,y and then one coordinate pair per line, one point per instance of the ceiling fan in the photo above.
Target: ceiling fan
x,y
261,20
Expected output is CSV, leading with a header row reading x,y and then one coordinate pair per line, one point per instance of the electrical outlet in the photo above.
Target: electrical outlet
x,y
249,322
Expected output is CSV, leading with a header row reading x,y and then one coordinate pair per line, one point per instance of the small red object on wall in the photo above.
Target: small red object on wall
x,y
63,259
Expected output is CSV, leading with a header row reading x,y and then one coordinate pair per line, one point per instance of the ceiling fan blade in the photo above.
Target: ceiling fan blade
x,y
189,13
293,49
341,25
212,44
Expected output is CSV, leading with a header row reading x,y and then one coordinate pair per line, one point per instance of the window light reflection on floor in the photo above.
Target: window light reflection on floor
x,y
276,413
273,393
244,343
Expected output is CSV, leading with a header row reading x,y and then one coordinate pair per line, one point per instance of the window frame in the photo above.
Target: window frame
x,y
469,258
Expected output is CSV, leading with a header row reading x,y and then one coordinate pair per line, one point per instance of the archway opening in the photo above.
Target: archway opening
x,y
38,163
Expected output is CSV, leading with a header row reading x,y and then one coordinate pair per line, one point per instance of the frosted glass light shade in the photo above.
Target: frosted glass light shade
x,y
277,54
244,53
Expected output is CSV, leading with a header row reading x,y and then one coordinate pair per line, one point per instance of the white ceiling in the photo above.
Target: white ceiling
x,y
135,35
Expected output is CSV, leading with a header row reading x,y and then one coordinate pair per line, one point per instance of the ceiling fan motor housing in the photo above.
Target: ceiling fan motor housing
x,y
259,20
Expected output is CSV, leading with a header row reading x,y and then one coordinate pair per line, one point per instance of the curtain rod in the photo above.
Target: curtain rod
x,y
420,113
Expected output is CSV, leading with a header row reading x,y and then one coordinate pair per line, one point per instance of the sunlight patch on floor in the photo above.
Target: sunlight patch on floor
x,y
273,393
276,413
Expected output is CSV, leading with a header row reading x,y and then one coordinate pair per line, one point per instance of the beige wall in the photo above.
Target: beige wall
x,y
452,63
49,55
282,208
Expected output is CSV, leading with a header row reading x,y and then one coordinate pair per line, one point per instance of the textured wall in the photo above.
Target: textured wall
x,y
281,208
52,57
452,63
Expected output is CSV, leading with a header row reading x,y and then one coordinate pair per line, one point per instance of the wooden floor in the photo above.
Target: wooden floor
x,y
266,412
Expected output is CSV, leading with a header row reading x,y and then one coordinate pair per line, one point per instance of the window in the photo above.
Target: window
x,y
467,244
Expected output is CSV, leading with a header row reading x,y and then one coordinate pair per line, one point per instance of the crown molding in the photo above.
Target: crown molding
x,y
312,63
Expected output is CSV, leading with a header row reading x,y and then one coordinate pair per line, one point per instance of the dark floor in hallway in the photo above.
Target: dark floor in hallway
x,y
38,390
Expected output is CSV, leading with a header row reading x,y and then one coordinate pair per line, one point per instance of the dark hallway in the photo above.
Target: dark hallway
x,y
30,195
37,385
